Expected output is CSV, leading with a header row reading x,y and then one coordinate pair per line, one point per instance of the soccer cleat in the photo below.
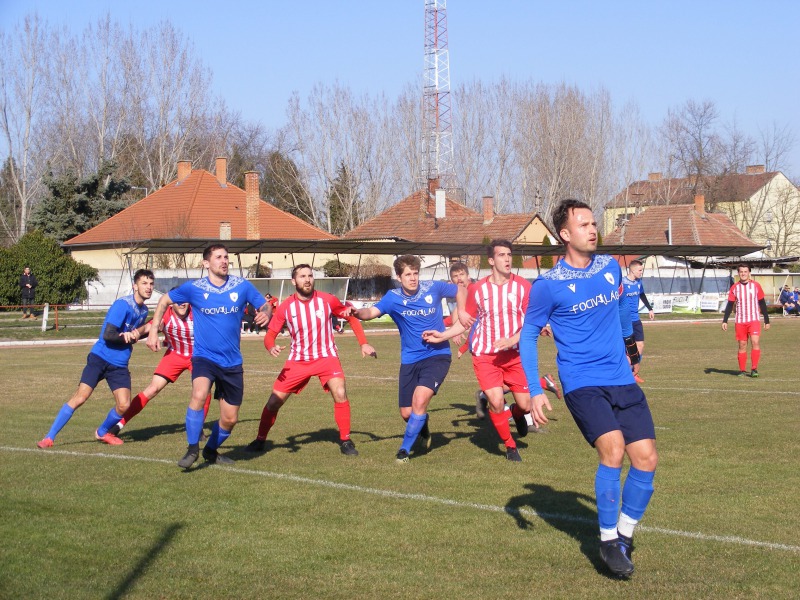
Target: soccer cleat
x,y
551,385
402,457
45,443
480,404
637,379
215,458
754,373
425,434
512,454
348,448
256,445
626,543
109,438
521,423
742,373
191,456
612,553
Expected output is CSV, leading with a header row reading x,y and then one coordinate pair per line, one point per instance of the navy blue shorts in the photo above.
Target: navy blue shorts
x,y
228,381
638,330
97,369
598,410
428,372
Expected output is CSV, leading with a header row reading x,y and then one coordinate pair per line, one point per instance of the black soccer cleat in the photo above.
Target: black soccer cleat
x,y
215,458
742,373
256,445
626,543
521,423
348,448
753,373
402,457
612,553
512,454
115,430
191,456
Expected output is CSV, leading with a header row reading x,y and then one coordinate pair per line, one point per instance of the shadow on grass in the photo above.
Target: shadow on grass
x,y
714,371
572,513
147,559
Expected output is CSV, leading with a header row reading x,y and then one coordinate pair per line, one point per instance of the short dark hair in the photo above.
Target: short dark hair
x,y
207,252
635,263
406,260
745,265
498,244
562,212
143,273
302,266
458,266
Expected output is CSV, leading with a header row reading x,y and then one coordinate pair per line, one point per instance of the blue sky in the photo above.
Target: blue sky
x,y
744,56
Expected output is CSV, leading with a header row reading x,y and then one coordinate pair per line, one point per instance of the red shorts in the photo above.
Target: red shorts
x,y
296,374
172,365
744,330
495,370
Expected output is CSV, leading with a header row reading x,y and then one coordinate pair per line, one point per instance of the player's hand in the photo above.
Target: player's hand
x,y
432,336
460,354
766,325
262,318
130,337
460,339
347,312
276,350
501,344
546,331
724,327
465,319
367,350
652,315
538,403
153,341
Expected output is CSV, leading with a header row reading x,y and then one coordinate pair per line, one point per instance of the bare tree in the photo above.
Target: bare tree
x,y
694,143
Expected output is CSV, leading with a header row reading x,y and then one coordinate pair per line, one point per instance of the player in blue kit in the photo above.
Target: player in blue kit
x,y
217,303
108,359
580,298
633,292
415,307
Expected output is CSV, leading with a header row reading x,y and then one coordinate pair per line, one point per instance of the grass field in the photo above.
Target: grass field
x,y
85,520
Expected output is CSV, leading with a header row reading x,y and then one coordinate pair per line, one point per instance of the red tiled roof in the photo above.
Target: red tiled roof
x,y
734,187
406,221
689,228
193,208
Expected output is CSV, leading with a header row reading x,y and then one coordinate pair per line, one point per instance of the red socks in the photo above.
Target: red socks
x,y
500,422
341,412
137,404
742,356
267,421
755,355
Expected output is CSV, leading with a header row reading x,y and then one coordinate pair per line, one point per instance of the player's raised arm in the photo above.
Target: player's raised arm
x,y
153,341
367,313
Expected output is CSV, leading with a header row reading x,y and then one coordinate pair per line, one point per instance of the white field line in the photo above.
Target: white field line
x,y
704,537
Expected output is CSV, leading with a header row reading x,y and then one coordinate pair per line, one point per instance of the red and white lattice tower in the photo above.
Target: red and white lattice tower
x,y
437,127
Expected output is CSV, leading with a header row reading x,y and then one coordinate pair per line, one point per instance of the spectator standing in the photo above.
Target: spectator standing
x,y
27,285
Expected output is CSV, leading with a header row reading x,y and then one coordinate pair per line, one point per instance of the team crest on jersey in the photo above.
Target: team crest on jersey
x,y
205,296
405,302
609,278
429,299
319,314
512,298
571,287
234,296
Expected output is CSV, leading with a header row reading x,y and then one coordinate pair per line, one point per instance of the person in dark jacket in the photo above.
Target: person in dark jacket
x,y
788,301
27,285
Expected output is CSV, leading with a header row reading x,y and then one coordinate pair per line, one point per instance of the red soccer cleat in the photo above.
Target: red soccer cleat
x,y
45,443
109,438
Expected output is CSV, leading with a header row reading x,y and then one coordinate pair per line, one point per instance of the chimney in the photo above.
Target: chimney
x,y
253,205
700,204
488,209
433,185
654,177
755,169
224,230
184,169
222,171
440,204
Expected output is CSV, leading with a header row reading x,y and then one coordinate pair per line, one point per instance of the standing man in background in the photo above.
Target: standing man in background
x,y
634,291
27,286
748,296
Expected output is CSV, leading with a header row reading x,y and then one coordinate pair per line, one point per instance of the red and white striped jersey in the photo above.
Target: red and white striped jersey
x,y
746,295
309,325
499,309
178,333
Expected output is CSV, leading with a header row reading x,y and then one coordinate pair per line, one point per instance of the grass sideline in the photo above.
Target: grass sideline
x,y
86,520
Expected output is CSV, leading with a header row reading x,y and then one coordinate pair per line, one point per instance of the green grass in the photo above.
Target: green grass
x,y
86,520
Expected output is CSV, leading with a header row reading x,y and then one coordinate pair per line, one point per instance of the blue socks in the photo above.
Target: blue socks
x,y
413,427
607,492
111,419
217,437
63,416
194,425
637,492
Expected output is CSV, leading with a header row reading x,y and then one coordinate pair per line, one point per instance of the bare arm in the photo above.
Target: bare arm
x,y
367,313
153,341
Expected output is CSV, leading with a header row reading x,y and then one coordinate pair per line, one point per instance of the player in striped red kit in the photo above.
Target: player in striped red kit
x,y
313,353
177,325
748,297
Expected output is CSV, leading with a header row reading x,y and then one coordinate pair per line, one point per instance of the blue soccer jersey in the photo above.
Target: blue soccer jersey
x,y
125,315
582,307
632,291
218,316
418,313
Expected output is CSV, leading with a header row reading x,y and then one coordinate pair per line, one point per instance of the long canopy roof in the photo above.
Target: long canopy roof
x,y
398,246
